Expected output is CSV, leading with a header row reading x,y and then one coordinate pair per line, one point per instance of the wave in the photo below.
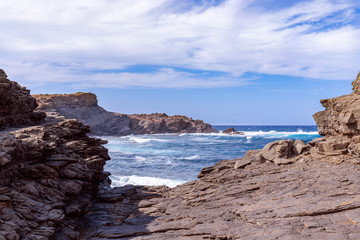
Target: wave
x,y
144,140
125,149
278,134
118,181
192,157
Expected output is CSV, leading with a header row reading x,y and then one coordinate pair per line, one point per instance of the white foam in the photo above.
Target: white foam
x,y
118,181
144,140
192,157
277,134
140,159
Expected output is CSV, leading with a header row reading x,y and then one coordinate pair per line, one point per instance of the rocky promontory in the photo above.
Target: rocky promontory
x,y
84,107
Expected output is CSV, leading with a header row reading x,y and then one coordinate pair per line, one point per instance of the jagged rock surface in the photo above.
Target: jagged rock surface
x,y
84,107
16,104
49,173
342,114
48,176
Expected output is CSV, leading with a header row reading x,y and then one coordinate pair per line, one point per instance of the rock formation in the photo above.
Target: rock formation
x,y
342,114
232,131
84,107
49,173
287,190
17,106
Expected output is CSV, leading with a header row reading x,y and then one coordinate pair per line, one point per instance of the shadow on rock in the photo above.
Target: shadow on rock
x,y
115,213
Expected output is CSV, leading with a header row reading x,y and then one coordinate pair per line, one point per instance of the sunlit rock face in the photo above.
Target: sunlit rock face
x,y
84,107
342,114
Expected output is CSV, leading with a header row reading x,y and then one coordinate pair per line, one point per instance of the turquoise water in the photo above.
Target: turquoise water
x,y
172,159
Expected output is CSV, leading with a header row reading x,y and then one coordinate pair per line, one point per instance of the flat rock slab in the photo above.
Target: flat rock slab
x,y
304,200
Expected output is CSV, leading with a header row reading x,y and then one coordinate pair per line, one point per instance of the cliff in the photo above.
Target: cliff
x,y
49,173
287,190
84,107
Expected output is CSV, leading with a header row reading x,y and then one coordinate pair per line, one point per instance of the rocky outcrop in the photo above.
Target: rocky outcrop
x,y
162,123
49,173
342,114
16,105
84,107
287,190
232,131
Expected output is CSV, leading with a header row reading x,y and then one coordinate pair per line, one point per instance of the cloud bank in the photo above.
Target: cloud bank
x,y
96,42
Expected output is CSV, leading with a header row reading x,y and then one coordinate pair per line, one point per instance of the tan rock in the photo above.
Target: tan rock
x,y
84,107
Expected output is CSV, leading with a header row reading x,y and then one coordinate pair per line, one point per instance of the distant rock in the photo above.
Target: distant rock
x,y
84,107
232,131
162,123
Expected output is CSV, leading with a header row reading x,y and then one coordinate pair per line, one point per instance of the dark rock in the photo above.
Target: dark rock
x,y
16,104
48,173
232,131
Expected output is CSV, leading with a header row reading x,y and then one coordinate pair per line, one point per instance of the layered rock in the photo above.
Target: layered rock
x,y
17,106
84,107
259,200
49,173
342,114
162,123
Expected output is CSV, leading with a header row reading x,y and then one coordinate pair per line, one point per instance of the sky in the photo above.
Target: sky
x,y
229,62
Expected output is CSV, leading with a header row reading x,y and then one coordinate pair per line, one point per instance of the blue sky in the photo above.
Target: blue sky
x,y
226,62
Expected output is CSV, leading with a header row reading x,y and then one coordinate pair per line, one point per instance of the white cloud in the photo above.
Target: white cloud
x,y
44,41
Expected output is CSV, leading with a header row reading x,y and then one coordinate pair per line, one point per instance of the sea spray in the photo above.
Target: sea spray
x,y
171,159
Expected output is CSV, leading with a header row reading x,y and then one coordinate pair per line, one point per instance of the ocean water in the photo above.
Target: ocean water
x,y
172,159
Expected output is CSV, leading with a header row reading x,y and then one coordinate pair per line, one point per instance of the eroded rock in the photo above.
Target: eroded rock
x,y
84,107
342,114
16,104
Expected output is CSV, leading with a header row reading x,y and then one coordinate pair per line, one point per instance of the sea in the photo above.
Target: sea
x,y
172,159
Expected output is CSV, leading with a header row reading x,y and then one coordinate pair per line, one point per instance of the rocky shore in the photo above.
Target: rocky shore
x,y
287,190
52,184
84,107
